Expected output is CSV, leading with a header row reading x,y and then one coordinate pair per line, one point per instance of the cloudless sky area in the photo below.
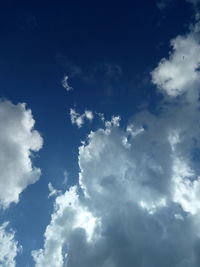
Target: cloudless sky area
x,y
64,58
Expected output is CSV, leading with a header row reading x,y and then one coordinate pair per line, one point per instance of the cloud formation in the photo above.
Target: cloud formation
x,y
65,83
140,194
79,119
9,246
181,71
18,140
138,198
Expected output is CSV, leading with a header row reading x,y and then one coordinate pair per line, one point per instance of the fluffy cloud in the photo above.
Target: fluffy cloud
x,y
9,247
18,140
180,72
79,119
76,216
140,193
138,198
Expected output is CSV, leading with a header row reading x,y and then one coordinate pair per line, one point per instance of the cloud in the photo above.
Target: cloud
x,y
71,67
108,71
76,216
179,73
53,191
138,198
18,140
89,115
78,119
162,4
66,177
194,2
9,246
65,83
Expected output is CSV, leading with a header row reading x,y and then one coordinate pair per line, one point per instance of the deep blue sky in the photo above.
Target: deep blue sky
x,y
41,41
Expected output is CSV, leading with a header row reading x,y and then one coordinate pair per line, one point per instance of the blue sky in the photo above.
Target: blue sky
x,y
99,133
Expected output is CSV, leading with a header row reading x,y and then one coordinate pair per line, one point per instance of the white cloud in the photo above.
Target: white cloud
x,y
9,246
179,73
89,115
18,140
134,131
115,120
53,191
66,177
65,83
186,187
69,215
101,116
79,119
136,200
139,186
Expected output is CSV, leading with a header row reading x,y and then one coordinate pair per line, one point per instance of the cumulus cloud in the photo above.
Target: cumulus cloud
x,y
77,216
65,83
9,246
138,198
180,72
18,140
79,119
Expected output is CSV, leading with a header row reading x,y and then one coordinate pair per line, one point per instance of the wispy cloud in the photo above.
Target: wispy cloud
x,y
65,83
53,191
162,4
194,2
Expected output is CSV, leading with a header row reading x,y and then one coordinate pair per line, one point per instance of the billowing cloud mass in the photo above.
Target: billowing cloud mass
x,y
18,140
9,246
79,119
138,198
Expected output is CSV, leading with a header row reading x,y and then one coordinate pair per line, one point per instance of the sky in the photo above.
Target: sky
x,y
100,133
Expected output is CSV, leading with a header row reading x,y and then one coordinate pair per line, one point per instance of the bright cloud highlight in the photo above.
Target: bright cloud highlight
x,y
18,141
9,246
181,71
